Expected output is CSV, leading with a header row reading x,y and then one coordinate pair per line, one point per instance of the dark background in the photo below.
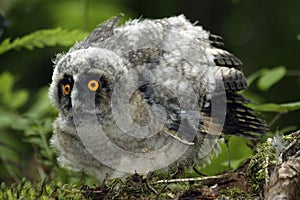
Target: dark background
x,y
261,33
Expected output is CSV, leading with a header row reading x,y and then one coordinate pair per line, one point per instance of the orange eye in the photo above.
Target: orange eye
x,y
93,85
67,89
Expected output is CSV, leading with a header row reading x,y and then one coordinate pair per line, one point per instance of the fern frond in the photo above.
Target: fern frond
x,y
43,38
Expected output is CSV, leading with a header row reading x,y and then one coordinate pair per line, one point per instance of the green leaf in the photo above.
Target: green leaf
x,y
234,163
43,38
270,77
11,99
41,106
6,119
272,107
6,82
8,153
238,150
19,98
256,75
298,36
34,140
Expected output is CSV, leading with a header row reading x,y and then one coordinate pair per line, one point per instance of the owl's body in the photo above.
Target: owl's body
x,y
145,96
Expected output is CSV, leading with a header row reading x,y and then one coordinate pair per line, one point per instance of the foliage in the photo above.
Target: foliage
x,y
257,171
22,131
26,133
40,190
273,107
232,154
266,158
43,38
267,77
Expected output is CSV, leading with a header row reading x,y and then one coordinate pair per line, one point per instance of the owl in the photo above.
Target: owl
x,y
152,95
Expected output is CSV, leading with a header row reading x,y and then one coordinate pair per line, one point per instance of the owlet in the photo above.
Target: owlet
x,y
147,96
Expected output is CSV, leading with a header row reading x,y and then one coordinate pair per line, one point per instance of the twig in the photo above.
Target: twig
x,y
271,123
266,170
191,179
150,187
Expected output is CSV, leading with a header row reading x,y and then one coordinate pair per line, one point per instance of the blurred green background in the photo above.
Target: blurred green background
x,y
263,34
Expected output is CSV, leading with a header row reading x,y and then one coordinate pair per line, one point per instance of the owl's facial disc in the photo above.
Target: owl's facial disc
x,y
90,92
64,90
84,79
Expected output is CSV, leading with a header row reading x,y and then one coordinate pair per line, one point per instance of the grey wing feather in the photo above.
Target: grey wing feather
x,y
240,119
233,79
221,56
216,41
102,32
155,92
229,66
174,124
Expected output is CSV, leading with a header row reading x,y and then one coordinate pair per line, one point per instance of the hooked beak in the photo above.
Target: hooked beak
x,y
75,102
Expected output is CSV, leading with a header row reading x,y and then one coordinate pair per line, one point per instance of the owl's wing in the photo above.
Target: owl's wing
x,y
158,88
102,32
178,123
240,119
229,66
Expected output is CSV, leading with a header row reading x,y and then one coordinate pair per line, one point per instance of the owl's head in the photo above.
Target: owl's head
x,y
85,79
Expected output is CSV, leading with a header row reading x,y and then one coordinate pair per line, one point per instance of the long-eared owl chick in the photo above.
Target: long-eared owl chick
x,y
150,95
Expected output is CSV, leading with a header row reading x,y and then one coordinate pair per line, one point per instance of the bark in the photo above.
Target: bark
x,y
285,179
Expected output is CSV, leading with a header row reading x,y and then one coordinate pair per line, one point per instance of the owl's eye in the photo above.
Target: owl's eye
x,y
93,85
67,89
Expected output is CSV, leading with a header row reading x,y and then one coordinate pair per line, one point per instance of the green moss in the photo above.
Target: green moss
x,y
236,193
260,163
263,162
40,190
